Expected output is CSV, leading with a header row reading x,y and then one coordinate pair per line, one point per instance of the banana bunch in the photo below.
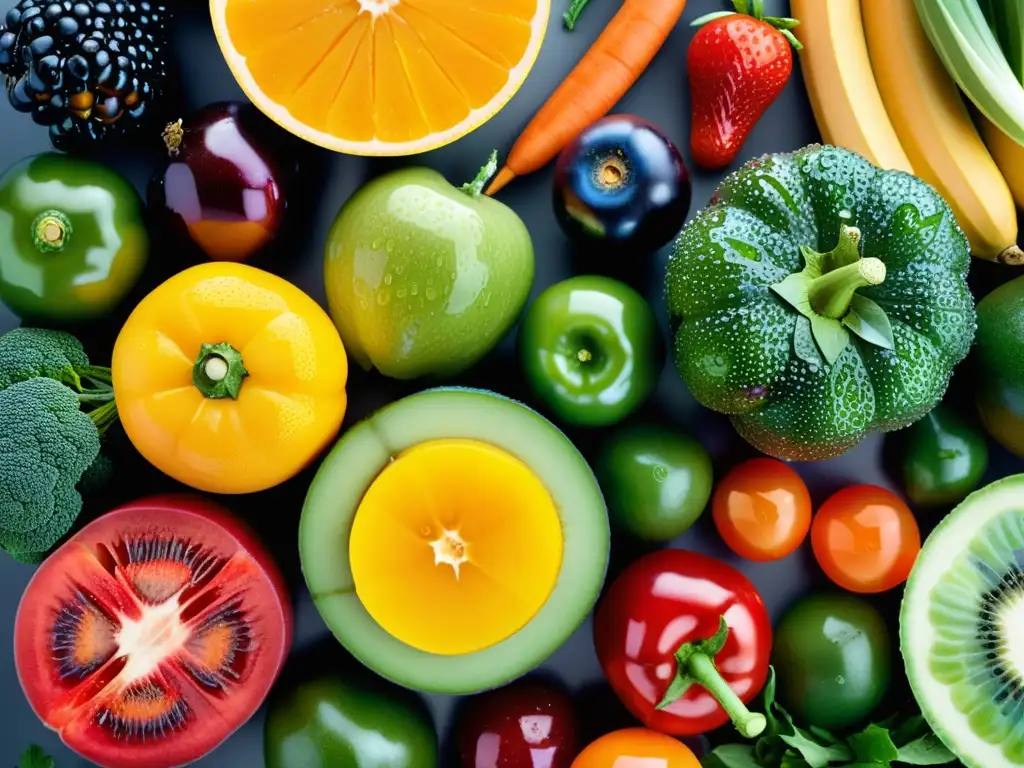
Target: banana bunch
x,y
878,87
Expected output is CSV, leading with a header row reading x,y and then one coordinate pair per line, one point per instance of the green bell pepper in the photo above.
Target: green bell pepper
x,y
72,238
335,722
591,350
819,297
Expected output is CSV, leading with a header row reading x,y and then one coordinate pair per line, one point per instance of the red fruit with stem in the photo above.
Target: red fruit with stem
x,y
738,63
685,641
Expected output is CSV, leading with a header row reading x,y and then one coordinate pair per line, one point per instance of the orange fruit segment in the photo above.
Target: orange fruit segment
x,y
455,546
380,77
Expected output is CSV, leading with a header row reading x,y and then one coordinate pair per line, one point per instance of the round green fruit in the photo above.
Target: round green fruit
x,y
454,540
332,721
999,365
657,481
73,241
424,278
591,350
944,458
833,659
960,627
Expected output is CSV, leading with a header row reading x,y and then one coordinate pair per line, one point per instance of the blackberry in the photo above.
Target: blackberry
x,y
87,69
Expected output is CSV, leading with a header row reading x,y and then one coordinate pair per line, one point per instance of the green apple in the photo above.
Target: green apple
x,y
424,278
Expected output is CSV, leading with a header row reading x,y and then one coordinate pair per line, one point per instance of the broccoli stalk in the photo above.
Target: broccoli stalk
x,y
55,406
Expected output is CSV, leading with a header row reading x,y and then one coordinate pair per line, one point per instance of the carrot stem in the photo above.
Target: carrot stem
x,y
573,14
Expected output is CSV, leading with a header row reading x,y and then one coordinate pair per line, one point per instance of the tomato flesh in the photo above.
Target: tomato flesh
x,y
153,633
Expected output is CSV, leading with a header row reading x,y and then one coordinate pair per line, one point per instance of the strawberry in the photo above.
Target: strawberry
x,y
738,64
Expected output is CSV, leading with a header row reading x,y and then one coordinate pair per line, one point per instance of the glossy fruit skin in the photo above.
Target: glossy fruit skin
x,y
657,481
623,184
220,188
833,660
998,362
762,510
422,278
105,248
944,459
591,350
334,721
747,353
635,747
865,539
678,596
737,66
289,406
527,724
83,564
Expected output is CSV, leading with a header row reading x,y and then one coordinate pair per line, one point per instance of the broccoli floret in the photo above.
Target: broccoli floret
x,y
46,444
27,353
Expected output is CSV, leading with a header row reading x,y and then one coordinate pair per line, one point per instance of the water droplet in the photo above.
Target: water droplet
x,y
840,679
383,297
375,245
660,474
440,261
387,279
400,293
389,246
414,289
431,294
487,299
398,269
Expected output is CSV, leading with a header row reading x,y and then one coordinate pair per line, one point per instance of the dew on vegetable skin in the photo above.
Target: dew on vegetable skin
x,y
841,680
400,293
383,297
389,246
660,474
399,269
414,289
375,245
440,261
387,279
431,294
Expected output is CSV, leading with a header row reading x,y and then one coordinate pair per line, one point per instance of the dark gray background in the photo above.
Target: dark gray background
x,y
327,180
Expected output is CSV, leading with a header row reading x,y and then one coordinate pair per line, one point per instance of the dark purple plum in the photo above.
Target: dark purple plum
x,y
219,187
622,183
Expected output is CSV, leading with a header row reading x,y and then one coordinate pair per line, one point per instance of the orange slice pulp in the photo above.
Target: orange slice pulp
x,y
380,77
455,546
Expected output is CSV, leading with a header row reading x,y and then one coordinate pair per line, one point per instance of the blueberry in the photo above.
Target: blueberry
x,y
622,183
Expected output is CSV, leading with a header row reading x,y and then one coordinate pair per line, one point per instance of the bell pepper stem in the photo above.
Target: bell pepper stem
x,y
475,187
831,294
695,664
51,232
702,670
218,372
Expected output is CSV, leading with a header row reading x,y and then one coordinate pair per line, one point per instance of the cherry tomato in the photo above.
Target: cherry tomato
x,y
865,539
528,724
762,510
636,748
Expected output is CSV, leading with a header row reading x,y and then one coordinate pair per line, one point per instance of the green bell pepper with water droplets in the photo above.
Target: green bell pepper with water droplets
x,y
818,298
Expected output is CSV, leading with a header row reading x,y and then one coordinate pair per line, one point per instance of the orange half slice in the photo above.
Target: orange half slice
x,y
380,77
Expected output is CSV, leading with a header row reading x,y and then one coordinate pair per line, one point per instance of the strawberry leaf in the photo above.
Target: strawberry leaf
x,y
700,21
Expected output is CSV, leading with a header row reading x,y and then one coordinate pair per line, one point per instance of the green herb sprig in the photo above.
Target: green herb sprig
x,y
898,740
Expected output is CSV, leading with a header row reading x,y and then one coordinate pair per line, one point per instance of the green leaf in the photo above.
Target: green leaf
x,y
873,745
794,291
782,22
730,756
35,757
817,755
822,735
830,335
791,760
869,321
700,21
926,749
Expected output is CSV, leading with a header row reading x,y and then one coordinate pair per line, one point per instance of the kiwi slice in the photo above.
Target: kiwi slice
x,y
962,627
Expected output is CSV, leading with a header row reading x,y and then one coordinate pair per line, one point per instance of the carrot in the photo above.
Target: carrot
x,y
611,66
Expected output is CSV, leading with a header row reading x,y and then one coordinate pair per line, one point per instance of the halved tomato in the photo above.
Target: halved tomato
x,y
153,633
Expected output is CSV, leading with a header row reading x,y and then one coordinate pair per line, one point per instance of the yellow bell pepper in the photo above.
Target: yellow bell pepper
x,y
229,379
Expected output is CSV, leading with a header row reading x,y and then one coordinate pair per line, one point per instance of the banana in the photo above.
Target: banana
x,y
936,131
837,71
1009,156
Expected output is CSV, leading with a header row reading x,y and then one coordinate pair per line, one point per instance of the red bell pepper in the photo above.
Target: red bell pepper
x,y
685,640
